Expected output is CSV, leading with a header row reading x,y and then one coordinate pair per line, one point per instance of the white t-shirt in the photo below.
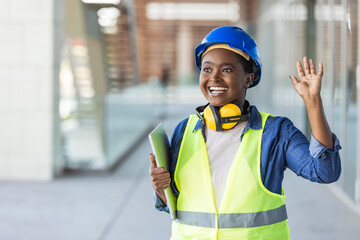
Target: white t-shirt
x,y
222,147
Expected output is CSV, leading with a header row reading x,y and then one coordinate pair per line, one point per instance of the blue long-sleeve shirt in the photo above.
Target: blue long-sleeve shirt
x,y
283,146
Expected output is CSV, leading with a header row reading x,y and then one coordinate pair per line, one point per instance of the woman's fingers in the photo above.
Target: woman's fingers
x,y
294,80
152,161
300,69
308,68
160,182
312,67
321,69
306,65
160,178
160,186
157,170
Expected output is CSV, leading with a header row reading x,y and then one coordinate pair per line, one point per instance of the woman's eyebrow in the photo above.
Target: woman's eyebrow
x,y
207,62
221,64
227,64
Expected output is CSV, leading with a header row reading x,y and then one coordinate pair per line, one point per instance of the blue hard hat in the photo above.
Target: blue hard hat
x,y
236,38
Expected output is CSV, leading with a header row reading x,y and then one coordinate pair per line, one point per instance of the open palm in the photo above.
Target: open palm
x,y
309,82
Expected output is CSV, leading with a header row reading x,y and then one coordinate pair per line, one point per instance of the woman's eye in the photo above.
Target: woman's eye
x,y
227,70
206,69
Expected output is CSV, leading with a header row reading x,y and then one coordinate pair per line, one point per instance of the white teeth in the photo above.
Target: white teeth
x,y
218,88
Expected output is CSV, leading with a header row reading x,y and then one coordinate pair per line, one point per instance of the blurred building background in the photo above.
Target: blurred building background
x,y
83,81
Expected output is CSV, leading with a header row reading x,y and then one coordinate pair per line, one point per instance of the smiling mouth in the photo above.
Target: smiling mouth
x,y
217,90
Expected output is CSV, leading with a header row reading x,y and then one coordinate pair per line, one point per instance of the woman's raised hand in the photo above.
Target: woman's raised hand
x,y
309,82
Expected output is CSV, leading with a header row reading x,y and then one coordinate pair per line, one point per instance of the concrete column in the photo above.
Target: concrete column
x,y
185,54
357,183
81,23
310,50
29,85
344,92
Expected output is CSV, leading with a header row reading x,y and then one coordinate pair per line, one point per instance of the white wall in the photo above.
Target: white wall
x,y
27,89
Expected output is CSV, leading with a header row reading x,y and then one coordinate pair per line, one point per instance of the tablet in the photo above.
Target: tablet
x,y
161,149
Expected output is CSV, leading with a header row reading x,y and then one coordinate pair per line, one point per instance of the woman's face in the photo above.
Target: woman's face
x,y
222,77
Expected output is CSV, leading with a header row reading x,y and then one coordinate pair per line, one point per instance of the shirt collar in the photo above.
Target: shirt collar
x,y
198,125
255,121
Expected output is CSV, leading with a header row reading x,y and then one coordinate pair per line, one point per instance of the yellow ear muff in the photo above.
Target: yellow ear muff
x,y
210,118
230,110
225,118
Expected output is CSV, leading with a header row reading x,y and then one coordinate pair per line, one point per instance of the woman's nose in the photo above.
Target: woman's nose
x,y
215,76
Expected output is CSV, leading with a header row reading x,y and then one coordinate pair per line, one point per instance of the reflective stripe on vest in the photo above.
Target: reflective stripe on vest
x,y
233,220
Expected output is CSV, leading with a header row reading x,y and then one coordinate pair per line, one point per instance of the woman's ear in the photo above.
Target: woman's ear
x,y
249,79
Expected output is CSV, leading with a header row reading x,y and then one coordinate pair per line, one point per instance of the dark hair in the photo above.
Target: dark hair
x,y
247,65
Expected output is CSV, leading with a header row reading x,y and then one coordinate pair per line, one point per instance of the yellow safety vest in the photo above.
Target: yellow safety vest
x,y
248,210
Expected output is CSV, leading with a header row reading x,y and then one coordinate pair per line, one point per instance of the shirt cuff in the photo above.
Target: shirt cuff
x,y
159,205
317,150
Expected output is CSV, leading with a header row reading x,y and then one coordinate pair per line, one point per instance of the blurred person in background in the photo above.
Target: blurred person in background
x,y
165,76
228,160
